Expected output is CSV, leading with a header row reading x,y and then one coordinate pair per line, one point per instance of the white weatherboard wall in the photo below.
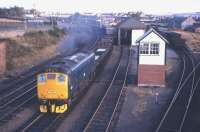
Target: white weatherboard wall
x,y
135,35
153,59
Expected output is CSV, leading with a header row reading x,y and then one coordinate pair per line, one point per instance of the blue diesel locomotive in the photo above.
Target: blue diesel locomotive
x,y
63,81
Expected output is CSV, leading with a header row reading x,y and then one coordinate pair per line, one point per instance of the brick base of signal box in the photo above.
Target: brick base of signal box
x,y
2,57
151,75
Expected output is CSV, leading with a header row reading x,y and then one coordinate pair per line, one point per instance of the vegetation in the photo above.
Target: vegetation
x,y
40,39
15,50
26,49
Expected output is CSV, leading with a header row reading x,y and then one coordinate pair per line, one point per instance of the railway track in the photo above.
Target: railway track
x,y
17,99
24,78
39,122
7,114
120,100
20,93
102,117
12,107
191,120
43,122
17,93
177,112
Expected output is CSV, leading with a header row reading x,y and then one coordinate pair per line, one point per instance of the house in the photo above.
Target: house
x,y
151,59
129,31
188,22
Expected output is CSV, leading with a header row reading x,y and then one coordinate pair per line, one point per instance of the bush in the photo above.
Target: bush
x,y
56,32
29,44
33,33
15,50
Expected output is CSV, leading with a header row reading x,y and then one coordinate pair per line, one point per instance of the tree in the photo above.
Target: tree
x,y
136,14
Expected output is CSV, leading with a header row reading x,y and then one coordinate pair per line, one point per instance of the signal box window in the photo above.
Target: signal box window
x,y
144,48
154,48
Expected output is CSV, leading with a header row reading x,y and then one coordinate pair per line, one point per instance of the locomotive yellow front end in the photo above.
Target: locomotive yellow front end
x,y
52,90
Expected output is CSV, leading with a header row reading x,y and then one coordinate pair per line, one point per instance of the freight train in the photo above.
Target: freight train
x,y
61,83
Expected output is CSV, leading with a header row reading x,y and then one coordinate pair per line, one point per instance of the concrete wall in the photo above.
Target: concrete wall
x,y
2,57
153,59
135,34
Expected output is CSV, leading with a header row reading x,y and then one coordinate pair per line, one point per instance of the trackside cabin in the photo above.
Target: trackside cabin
x,y
151,59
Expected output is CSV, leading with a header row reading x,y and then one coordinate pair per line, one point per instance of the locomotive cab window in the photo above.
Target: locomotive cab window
x,y
41,78
61,78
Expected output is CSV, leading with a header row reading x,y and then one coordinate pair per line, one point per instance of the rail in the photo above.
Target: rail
x,y
98,121
184,94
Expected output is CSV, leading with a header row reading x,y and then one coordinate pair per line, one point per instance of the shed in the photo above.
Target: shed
x,y
129,30
151,59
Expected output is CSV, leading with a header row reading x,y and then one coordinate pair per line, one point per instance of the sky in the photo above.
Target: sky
x,y
101,6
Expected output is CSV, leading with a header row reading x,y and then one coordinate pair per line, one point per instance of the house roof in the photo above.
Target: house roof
x,y
3,39
189,20
131,23
150,31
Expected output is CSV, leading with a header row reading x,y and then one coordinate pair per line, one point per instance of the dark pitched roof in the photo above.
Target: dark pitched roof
x,y
150,31
131,23
3,40
189,20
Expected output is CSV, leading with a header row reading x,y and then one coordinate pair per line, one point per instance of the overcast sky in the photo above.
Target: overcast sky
x,y
147,6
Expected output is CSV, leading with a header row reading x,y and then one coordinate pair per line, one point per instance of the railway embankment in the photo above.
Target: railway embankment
x,y
24,52
191,41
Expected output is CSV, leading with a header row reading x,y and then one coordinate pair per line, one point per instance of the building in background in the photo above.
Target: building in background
x,y
129,31
188,22
151,59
